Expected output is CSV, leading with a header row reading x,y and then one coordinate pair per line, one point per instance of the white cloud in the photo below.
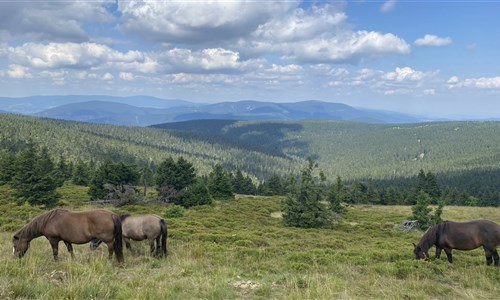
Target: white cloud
x,y
77,56
404,74
476,83
197,22
107,76
429,92
300,25
430,40
388,6
127,76
453,80
350,49
483,82
51,20
17,71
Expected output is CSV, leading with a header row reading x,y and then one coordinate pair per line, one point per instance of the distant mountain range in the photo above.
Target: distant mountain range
x,y
145,110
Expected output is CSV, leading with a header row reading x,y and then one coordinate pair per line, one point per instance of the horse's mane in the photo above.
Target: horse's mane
x,y
33,228
431,235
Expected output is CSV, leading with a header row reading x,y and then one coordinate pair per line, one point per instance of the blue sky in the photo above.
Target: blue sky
x,y
434,58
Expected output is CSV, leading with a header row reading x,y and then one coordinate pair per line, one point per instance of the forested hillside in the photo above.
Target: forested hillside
x,y
465,155
133,145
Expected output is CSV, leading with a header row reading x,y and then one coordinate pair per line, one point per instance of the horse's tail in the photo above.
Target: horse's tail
x,y
163,229
118,243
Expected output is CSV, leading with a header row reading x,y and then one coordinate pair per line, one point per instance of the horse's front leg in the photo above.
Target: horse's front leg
x,y
448,254
54,243
70,248
496,258
438,252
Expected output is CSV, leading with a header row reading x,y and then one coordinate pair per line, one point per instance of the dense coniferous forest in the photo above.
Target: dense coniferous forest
x,y
377,163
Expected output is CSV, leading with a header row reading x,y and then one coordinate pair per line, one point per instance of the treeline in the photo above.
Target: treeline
x,y
35,177
378,163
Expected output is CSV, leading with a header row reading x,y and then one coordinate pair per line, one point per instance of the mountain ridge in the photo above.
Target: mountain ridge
x,y
146,111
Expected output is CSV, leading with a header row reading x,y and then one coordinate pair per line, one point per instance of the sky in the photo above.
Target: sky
x,y
431,58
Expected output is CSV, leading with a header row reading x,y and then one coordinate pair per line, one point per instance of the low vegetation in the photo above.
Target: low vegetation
x,y
240,249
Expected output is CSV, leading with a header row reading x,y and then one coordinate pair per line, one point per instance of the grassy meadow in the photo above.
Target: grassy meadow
x,y
240,250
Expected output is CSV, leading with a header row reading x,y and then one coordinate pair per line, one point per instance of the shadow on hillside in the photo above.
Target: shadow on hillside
x,y
272,138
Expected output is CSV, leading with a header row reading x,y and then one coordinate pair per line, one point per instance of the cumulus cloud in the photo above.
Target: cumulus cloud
x,y
107,76
199,21
430,40
483,82
388,6
57,20
127,76
72,55
475,83
404,74
17,71
350,49
216,59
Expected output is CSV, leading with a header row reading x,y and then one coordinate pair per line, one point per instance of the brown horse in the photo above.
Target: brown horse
x,y
138,228
461,236
72,228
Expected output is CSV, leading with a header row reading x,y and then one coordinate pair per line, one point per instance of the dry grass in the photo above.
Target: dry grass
x,y
240,250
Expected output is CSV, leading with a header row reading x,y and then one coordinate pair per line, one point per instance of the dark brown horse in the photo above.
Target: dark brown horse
x,y
461,236
72,228
141,227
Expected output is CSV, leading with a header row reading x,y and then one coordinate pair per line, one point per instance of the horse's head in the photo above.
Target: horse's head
x,y
19,246
420,253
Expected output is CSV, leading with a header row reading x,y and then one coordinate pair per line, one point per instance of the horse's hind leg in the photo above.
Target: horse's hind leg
x,y
152,247
488,253
70,248
496,258
158,245
110,250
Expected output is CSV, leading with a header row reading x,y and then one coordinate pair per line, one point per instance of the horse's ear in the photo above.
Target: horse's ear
x,y
414,246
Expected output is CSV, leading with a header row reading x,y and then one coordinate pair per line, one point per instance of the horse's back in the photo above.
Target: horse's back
x,y
80,226
471,234
142,226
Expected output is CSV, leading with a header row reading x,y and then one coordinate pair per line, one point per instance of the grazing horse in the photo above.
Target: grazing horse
x,y
461,236
72,228
139,228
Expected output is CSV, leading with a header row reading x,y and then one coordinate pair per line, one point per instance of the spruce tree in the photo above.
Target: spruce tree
x,y
33,181
195,194
219,184
81,174
421,210
7,166
114,174
304,208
